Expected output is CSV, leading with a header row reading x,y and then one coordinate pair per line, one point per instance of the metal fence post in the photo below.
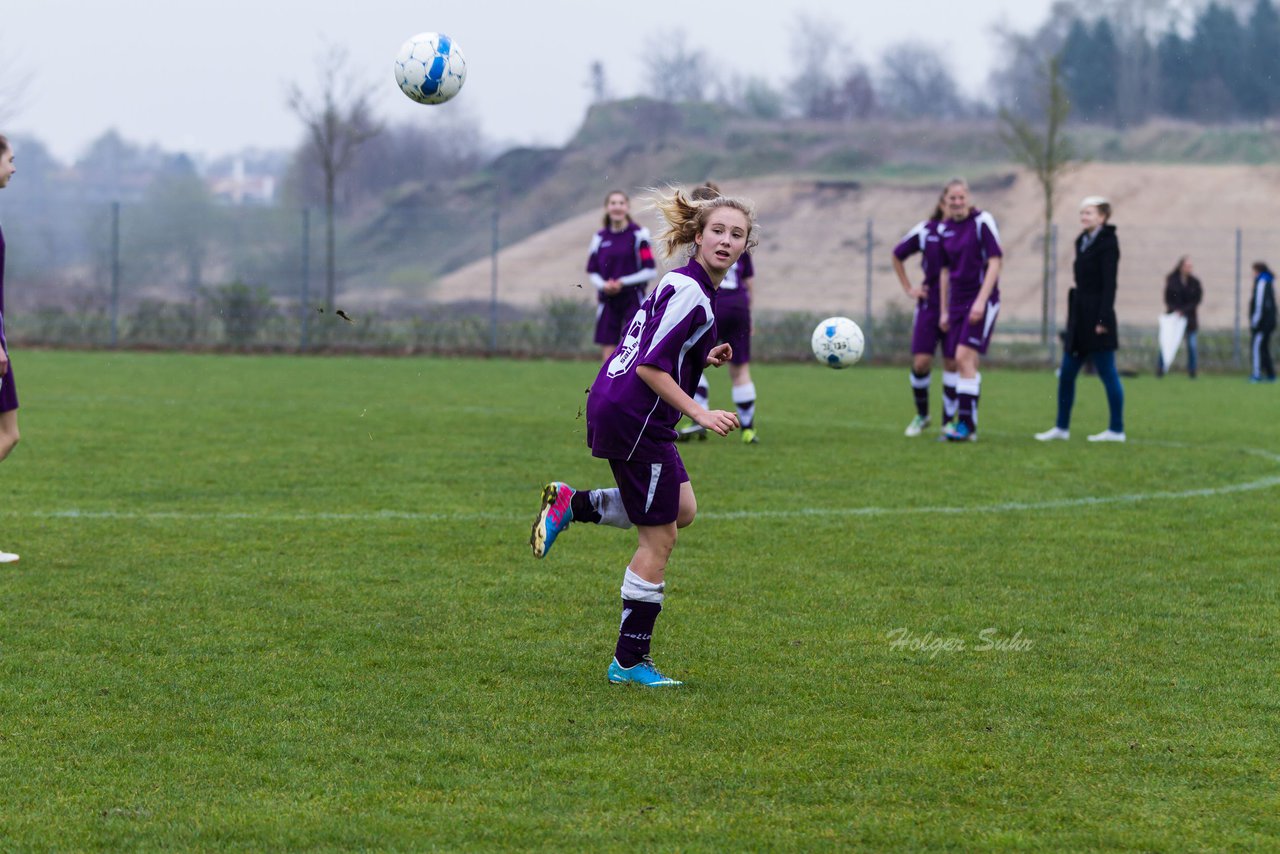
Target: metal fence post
x,y
870,320
493,287
115,274
1236,352
306,278
1053,294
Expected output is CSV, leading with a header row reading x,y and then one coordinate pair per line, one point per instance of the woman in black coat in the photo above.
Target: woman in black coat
x,y
1182,293
1091,322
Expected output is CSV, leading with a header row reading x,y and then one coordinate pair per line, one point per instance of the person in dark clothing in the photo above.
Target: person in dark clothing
x,y
1262,322
1182,293
1091,322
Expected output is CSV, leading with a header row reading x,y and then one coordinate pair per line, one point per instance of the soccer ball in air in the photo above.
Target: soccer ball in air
x,y
430,68
837,342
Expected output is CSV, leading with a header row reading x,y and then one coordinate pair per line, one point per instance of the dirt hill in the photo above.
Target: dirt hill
x,y
812,257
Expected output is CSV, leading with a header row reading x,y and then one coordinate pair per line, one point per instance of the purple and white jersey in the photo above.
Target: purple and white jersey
x,y
623,255
732,289
2,338
926,238
966,247
673,331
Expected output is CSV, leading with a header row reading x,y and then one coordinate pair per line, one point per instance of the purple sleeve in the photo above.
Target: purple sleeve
x,y
593,256
909,246
991,243
675,318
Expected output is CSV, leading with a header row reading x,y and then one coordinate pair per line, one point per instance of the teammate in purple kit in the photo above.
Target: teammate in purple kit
x,y
733,324
970,292
632,410
8,391
619,265
926,325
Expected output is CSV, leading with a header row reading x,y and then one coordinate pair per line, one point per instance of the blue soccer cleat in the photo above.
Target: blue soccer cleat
x,y
554,516
958,431
645,673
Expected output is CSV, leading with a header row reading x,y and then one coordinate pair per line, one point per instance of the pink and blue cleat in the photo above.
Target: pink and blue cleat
x,y
554,516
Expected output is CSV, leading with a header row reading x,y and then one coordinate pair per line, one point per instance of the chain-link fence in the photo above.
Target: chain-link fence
x,y
128,275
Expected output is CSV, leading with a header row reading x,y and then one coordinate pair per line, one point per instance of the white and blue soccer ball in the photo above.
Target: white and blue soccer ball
x,y
430,68
838,342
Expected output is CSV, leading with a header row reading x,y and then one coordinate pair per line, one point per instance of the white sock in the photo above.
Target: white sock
x,y
744,397
637,589
703,394
950,402
608,503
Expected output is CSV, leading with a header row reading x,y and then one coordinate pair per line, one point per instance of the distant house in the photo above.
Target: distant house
x,y
241,187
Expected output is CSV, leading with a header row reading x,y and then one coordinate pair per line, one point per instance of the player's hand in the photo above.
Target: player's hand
x,y
717,420
612,287
944,323
921,292
975,316
1100,329
719,354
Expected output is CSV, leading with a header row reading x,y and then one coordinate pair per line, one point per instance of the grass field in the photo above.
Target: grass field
x,y
271,603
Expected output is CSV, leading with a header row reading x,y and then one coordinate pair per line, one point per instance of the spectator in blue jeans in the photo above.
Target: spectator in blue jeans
x,y
1091,322
1182,293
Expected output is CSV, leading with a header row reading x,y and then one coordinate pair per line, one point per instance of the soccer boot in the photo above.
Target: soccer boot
x,y
553,517
1053,434
749,436
958,431
1107,436
917,425
645,673
691,431
8,557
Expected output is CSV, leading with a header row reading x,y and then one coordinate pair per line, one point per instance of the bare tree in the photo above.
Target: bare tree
x,y
13,88
339,119
816,44
677,71
915,82
1048,154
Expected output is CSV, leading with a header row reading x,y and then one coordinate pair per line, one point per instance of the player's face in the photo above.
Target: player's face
x,y
956,202
7,169
1091,217
723,239
618,208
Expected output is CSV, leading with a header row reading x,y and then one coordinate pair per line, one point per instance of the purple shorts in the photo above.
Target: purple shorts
x,y
926,334
613,315
733,324
976,336
8,391
651,491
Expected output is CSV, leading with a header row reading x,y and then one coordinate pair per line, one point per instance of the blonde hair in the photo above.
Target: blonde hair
x,y
687,215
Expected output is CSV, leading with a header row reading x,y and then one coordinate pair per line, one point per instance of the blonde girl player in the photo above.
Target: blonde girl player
x,y
8,391
925,238
632,409
970,292
619,264
733,325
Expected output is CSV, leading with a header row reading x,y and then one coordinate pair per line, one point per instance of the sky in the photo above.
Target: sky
x,y
210,78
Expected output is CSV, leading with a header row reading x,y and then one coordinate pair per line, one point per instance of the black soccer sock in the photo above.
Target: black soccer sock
x,y
636,631
582,509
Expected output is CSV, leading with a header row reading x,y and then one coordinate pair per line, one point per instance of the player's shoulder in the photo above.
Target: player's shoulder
x,y
641,233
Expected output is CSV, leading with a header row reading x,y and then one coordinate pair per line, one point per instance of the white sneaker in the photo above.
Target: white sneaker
x,y
1053,434
1107,436
8,557
917,425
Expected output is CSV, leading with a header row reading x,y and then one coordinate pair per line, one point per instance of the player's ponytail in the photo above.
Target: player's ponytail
x,y
686,216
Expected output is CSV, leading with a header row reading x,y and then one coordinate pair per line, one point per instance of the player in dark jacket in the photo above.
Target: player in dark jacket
x,y
1262,322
